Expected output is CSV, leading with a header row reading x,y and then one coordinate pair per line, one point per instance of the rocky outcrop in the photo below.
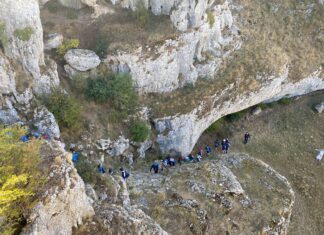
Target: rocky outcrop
x,y
45,122
65,202
24,32
82,60
7,77
114,148
180,132
237,186
184,14
178,62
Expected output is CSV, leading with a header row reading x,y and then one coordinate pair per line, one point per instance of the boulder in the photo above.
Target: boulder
x,y
81,59
320,107
53,41
256,111
113,148
45,122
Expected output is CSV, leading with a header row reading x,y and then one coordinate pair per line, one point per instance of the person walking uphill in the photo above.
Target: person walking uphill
x,y
124,174
155,167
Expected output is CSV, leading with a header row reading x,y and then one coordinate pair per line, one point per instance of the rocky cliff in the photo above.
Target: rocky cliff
x,y
24,35
65,203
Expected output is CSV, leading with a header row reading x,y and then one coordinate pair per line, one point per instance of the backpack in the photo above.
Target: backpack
x,y
126,174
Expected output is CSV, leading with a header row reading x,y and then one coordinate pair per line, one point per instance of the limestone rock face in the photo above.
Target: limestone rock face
x,y
53,41
180,132
45,122
235,186
24,32
82,60
184,14
76,4
8,113
114,148
7,77
181,61
66,204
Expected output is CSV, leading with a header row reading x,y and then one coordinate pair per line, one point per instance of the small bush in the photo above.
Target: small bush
x,y
24,34
101,46
86,170
142,14
66,110
284,101
117,89
217,126
236,116
67,45
3,35
97,90
139,131
210,18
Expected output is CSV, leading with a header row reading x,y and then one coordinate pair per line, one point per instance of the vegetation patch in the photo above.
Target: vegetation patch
x,y
20,178
67,110
24,34
3,35
139,131
67,45
211,19
142,14
101,46
116,89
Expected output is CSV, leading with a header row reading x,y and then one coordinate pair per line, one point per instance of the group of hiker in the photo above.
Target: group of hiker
x,y
169,161
34,134
100,168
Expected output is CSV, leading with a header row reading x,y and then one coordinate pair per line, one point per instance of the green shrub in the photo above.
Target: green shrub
x,y
139,131
24,34
142,14
236,116
217,126
86,170
284,101
67,45
116,88
20,177
101,46
97,90
3,35
211,19
66,110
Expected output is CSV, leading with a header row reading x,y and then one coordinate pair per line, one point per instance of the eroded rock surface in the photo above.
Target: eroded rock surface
x,y
65,203
197,197
81,59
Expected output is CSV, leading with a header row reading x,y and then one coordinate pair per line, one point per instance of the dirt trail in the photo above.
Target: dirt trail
x,y
286,137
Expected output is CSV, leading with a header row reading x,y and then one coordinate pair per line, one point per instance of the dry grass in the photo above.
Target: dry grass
x,y
286,137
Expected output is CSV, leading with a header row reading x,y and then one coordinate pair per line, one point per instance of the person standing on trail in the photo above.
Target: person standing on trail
x,y
124,174
216,145
208,150
247,137
200,152
155,167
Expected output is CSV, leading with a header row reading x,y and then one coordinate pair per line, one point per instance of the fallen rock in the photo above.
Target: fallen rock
x,y
53,41
320,107
256,111
81,59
